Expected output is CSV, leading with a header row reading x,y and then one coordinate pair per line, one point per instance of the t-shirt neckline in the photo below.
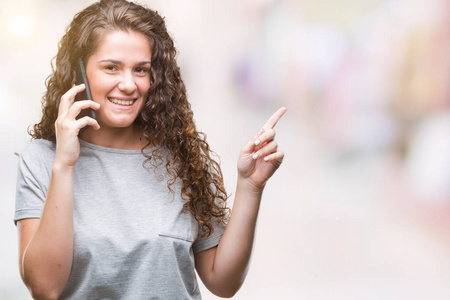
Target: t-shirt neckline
x,y
95,147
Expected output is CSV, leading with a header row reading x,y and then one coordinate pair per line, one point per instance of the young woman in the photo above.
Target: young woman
x,y
129,204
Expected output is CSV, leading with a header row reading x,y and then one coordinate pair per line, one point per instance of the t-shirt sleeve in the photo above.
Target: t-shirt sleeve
x,y
31,186
211,241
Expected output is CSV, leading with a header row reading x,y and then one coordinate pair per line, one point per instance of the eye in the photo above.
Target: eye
x,y
111,68
142,70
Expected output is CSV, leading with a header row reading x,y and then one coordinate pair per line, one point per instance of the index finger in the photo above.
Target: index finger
x,y
68,98
273,120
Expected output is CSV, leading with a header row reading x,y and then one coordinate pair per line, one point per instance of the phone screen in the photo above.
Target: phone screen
x,y
86,94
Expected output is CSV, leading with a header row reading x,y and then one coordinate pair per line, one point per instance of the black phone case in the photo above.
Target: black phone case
x,y
86,94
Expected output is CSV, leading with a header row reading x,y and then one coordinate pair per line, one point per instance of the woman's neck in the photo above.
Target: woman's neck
x,y
129,138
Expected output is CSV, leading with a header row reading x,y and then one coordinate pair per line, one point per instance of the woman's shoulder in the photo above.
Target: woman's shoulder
x,y
38,148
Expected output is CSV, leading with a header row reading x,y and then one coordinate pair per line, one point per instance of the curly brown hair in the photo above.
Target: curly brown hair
x,y
166,119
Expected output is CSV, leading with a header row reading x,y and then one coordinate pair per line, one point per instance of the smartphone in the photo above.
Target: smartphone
x,y
81,77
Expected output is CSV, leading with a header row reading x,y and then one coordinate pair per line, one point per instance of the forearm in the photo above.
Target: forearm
x,y
47,261
234,251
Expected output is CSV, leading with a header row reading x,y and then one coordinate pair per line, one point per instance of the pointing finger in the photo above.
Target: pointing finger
x,y
273,120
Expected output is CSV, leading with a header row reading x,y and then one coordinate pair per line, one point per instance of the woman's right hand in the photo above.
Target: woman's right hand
x,y
68,127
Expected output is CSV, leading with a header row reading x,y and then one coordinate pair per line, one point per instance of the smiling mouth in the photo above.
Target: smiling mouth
x,y
121,102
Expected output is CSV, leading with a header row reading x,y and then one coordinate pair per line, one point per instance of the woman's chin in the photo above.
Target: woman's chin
x,y
117,123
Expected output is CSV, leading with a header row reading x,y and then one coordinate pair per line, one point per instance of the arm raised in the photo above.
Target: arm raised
x,y
46,244
223,268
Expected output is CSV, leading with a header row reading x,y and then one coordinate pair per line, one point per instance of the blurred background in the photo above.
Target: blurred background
x,y
360,209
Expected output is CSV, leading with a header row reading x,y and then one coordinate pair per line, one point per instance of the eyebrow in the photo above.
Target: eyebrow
x,y
118,62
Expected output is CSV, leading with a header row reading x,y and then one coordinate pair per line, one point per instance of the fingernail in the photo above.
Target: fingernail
x,y
255,156
257,142
266,158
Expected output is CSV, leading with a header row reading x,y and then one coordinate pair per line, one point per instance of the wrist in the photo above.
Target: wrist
x,y
59,167
249,186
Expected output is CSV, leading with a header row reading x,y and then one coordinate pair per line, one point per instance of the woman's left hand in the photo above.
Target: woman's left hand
x,y
260,157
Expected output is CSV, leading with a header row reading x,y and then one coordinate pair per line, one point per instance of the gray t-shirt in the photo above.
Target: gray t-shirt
x,y
131,238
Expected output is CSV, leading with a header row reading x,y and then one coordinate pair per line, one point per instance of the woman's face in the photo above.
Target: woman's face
x,y
119,77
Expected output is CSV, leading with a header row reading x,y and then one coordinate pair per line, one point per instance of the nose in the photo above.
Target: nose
x,y
127,84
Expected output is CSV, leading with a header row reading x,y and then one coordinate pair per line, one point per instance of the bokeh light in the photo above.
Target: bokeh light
x,y
20,26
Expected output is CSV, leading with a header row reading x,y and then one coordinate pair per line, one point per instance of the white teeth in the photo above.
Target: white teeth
x,y
121,102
